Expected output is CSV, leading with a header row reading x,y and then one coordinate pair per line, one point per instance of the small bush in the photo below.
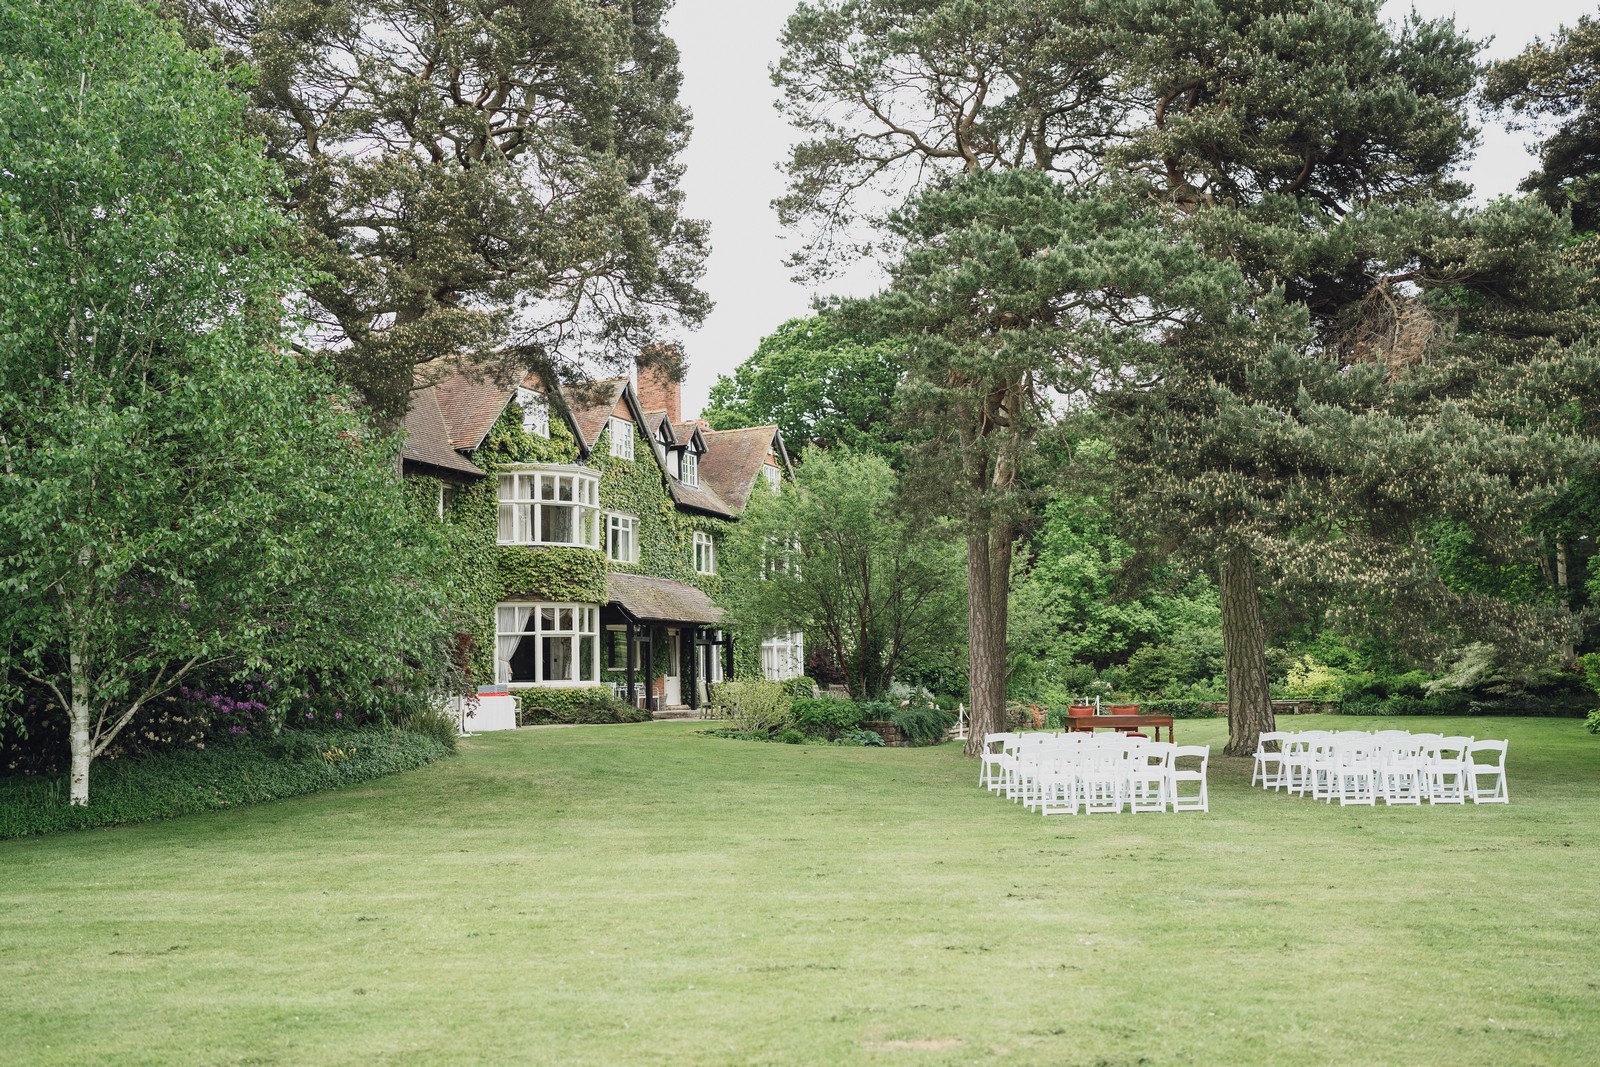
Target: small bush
x,y
243,771
1592,723
595,704
801,688
865,738
754,705
924,725
790,736
824,717
432,721
1180,709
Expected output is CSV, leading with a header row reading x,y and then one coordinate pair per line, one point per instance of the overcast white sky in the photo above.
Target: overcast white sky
x,y
739,139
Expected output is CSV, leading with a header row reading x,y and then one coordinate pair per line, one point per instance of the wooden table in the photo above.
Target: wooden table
x,y
1091,723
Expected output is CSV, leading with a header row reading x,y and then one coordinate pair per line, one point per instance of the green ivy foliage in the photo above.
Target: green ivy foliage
x,y
477,574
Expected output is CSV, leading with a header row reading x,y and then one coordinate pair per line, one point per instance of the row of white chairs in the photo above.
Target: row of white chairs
x,y
1395,766
1063,774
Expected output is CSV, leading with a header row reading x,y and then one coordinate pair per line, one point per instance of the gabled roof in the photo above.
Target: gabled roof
x,y
472,402
734,459
592,405
659,600
685,432
654,421
428,436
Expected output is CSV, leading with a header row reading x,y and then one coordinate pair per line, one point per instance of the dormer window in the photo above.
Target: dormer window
x,y
689,468
535,412
621,438
550,506
774,477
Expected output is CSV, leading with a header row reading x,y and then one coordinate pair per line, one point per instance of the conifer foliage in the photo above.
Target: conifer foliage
x,y
481,178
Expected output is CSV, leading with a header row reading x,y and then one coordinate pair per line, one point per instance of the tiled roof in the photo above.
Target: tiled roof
x,y
428,437
700,497
660,600
734,459
592,403
471,402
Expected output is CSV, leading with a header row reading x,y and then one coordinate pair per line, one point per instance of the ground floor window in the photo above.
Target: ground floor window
x,y
547,644
783,656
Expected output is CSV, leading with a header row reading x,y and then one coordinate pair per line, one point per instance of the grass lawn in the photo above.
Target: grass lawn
x,y
642,894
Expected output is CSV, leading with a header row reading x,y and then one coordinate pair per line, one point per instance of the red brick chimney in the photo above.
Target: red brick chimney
x,y
658,390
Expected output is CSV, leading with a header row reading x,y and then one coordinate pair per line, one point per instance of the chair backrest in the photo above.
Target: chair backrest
x,y
1122,709
1078,711
1498,748
1157,754
1267,737
1454,747
996,742
1191,751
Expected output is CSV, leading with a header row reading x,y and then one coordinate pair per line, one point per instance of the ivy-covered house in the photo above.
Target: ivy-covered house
x,y
583,524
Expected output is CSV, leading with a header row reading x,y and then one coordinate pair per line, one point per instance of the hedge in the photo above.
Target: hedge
x,y
594,704
245,771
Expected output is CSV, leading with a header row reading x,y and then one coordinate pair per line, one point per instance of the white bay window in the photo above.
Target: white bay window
x,y
550,506
546,644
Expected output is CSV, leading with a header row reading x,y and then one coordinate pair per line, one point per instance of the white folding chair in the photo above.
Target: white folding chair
x,y
1447,771
1402,772
1182,775
1494,767
1269,768
1354,771
1150,777
1058,781
1102,778
992,761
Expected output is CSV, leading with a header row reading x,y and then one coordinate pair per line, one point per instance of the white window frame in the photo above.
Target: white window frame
x,y
783,656
531,499
774,477
620,525
780,557
621,431
689,468
553,624
535,411
705,553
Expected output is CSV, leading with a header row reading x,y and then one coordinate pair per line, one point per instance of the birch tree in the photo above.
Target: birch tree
x,y
178,492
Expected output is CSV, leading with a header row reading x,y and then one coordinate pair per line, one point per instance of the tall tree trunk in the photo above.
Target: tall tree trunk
x,y
1244,645
79,714
988,586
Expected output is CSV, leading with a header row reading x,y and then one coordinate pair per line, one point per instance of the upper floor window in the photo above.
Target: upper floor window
x,y
773,475
550,506
535,412
622,538
621,438
546,644
780,557
705,553
689,468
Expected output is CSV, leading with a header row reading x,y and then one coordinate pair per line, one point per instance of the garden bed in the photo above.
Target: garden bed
x,y
228,774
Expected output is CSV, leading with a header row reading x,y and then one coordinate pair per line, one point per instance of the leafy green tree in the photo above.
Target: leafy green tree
x,y
1249,124
489,178
835,554
1013,291
1558,81
178,493
819,384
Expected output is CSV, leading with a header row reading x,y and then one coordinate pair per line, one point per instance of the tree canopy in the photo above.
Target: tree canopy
x,y
487,179
178,491
819,383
